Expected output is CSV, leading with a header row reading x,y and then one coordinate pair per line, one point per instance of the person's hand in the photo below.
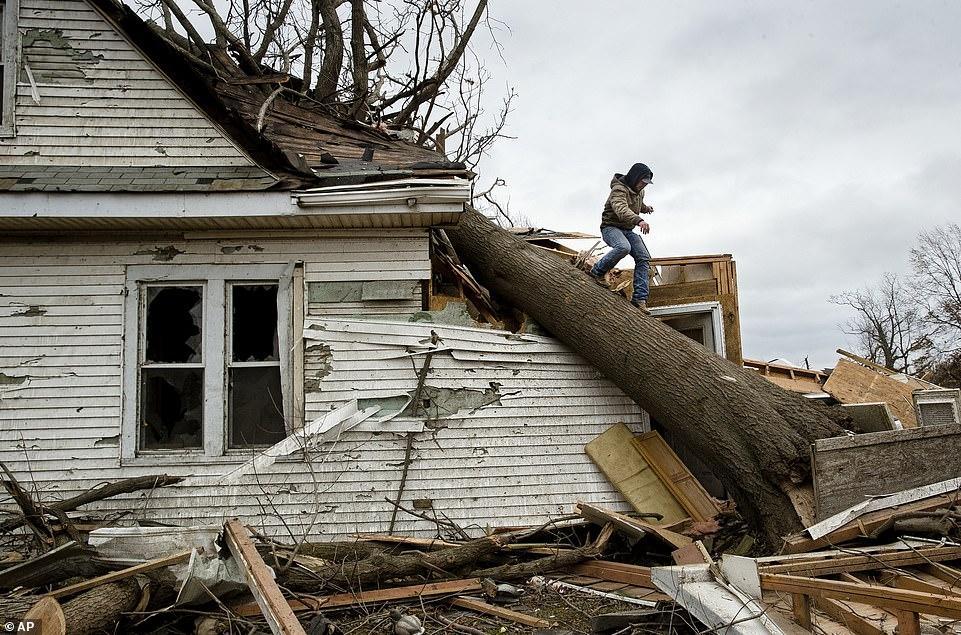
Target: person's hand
x,y
644,227
650,210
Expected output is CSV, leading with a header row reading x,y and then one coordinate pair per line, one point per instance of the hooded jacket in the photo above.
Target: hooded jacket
x,y
623,205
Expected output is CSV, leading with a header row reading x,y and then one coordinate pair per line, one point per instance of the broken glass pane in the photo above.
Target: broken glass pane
x,y
256,406
255,323
174,316
171,408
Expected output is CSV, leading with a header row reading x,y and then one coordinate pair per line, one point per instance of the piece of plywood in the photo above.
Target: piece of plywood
x,y
848,469
853,383
624,466
676,477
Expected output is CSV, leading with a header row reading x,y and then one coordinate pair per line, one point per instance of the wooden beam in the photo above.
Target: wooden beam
x,y
801,608
866,562
669,468
945,573
260,580
631,526
632,574
875,595
909,623
114,576
904,580
473,604
340,600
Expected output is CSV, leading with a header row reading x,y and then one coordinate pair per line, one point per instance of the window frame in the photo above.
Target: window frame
x,y
216,281
10,59
684,310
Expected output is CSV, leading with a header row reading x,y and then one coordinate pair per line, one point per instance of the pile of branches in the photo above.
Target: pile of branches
x,y
396,65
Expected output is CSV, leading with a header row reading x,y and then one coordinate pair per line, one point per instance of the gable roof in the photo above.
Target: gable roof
x,y
300,145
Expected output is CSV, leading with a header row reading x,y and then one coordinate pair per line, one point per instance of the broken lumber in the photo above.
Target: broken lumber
x,y
632,574
669,468
559,560
634,527
866,562
479,606
95,494
152,565
851,382
260,579
875,595
754,434
341,600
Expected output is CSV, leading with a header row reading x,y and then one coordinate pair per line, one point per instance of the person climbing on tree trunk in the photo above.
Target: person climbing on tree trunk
x,y
621,215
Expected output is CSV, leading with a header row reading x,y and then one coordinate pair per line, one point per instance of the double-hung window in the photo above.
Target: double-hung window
x,y
206,369
9,54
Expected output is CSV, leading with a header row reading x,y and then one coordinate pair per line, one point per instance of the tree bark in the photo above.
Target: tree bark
x,y
755,435
100,608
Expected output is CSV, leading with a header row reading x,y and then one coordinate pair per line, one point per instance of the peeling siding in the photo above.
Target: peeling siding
x,y
512,460
101,103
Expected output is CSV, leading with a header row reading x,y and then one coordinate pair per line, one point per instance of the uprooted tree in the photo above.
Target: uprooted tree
x,y
755,435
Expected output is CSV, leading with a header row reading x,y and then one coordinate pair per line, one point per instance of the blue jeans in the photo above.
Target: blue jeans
x,y
623,242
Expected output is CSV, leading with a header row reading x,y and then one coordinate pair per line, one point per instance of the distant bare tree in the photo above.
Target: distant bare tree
x,y
405,65
888,324
937,267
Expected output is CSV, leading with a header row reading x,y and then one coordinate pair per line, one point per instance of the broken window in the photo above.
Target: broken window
x,y
8,58
209,358
172,368
255,402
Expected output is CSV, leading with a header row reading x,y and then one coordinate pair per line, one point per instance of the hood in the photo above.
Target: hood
x,y
618,180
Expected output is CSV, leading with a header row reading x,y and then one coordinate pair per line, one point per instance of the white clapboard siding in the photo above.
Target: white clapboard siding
x,y
511,462
91,81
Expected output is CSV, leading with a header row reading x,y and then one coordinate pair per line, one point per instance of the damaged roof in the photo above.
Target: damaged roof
x,y
299,143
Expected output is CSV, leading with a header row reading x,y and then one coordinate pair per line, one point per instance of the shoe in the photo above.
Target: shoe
x,y
601,280
642,305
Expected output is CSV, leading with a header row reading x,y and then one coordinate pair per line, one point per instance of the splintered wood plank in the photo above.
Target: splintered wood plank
x,y
875,595
632,476
260,580
866,562
853,383
480,606
114,576
631,526
632,574
340,600
675,476
846,469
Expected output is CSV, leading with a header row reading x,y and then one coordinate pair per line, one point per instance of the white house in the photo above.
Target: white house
x,y
179,292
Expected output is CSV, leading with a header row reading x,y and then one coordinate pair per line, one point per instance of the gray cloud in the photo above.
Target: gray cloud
x,y
811,140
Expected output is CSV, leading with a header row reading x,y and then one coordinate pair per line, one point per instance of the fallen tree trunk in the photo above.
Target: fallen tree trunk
x,y
753,434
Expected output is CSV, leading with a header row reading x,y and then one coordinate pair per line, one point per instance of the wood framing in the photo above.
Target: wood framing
x,y
479,606
260,579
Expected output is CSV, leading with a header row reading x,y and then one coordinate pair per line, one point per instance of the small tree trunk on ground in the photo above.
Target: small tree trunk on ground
x,y
755,435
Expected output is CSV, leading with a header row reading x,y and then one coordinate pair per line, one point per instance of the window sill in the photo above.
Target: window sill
x,y
174,459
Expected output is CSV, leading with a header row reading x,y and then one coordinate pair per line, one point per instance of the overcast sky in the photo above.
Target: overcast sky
x,y
811,140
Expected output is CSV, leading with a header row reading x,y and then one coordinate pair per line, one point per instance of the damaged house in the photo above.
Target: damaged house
x,y
259,298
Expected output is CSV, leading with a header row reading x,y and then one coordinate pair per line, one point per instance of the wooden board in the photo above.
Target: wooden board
x,y
846,469
634,527
260,580
625,467
473,604
114,576
632,574
676,477
340,600
853,383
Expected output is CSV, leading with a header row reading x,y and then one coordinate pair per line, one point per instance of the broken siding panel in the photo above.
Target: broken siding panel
x,y
86,77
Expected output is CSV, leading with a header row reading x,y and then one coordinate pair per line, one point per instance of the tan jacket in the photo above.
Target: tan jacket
x,y
623,206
